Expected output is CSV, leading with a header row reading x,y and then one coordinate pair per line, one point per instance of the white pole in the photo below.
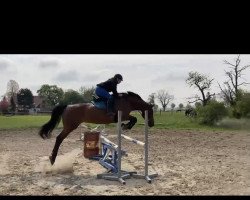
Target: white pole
x,y
146,143
109,142
119,130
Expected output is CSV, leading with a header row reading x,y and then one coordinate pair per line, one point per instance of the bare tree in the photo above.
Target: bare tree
x,y
231,91
164,98
203,84
12,89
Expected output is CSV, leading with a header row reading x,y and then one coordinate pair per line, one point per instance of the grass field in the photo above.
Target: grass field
x,y
165,120
23,121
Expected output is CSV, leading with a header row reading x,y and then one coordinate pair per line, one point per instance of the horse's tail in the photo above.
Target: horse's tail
x,y
53,122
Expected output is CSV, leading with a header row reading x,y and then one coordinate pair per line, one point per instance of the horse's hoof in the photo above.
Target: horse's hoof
x,y
51,160
49,136
124,128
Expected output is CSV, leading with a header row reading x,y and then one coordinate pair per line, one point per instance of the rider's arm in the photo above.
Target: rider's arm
x,y
114,91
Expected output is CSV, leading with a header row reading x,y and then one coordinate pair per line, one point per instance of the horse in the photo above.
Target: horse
x,y
73,115
191,112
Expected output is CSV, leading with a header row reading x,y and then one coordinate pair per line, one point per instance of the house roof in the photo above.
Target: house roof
x,y
37,101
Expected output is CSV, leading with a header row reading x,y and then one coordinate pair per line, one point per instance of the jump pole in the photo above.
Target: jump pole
x,y
106,140
120,175
133,140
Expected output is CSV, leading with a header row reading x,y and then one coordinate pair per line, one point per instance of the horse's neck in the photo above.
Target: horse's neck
x,y
123,104
142,107
138,106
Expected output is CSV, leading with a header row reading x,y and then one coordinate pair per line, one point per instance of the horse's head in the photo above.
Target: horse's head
x,y
150,115
137,103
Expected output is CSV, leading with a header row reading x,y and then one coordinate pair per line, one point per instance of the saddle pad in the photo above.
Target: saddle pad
x,y
99,104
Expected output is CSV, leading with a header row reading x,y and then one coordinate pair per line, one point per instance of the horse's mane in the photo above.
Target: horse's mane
x,y
129,93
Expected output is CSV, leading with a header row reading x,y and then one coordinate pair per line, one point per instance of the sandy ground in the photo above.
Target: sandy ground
x,y
188,163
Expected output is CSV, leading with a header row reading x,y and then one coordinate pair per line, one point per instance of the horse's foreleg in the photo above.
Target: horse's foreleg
x,y
130,124
58,142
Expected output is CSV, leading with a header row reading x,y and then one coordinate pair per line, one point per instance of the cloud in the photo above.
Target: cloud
x,y
49,64
91,77
3,65
170,77
68,76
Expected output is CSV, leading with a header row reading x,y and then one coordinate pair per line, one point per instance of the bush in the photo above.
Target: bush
x,y
4,104
211,113
243,106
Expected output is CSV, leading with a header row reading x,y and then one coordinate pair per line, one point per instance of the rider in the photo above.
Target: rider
x,y
103,89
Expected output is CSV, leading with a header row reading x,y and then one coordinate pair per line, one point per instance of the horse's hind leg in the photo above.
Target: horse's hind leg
x,y
58,142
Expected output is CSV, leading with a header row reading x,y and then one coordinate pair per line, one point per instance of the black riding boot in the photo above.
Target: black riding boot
x,y
109,107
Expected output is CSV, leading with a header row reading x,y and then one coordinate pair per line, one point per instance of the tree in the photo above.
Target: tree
x,y
242,108
4,104
164,98
181,106
211,113
72,97
25,98
188,106
87,93
202,83
231,91
172,106
12,89
12,104
197,104
151,100
51,94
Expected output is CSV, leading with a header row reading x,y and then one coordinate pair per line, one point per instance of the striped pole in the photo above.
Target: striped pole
x,y
133,140
109,142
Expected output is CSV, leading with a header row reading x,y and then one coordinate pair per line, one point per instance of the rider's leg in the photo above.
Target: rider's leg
x,y
109,106
103,93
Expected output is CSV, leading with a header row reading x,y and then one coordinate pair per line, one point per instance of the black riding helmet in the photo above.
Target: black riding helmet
x,y
119,76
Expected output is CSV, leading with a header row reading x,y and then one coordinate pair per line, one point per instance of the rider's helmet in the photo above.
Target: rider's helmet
x,y
118,76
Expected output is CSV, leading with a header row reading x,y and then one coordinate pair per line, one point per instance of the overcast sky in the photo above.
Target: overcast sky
x,y
142,74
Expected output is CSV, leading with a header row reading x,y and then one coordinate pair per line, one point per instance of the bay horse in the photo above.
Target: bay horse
x,y
73,115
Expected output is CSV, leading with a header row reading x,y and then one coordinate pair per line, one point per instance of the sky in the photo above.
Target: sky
x,y
143,74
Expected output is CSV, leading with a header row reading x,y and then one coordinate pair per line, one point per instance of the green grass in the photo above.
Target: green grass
x,y
165,120
23,121
175,121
